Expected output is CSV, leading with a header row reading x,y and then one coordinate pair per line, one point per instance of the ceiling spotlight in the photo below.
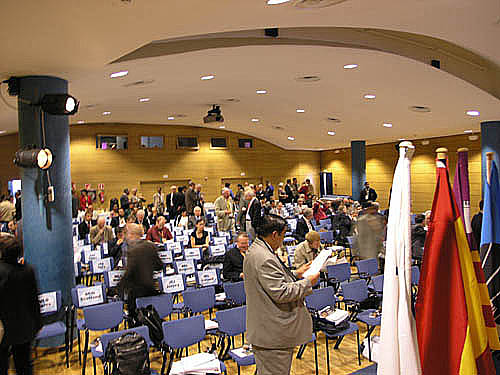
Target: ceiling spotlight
x,y
106,113
33,157
369,96
81,121
350,66
291,138
276,2
222,127
121,73
387,125
214,115
144,100
255,120
473,113
261,91
468,131
59,104
207,78
170,118
300,110
337,151
331,133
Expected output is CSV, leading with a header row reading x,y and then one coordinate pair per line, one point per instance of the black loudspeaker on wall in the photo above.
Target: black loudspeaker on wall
x,y
326,183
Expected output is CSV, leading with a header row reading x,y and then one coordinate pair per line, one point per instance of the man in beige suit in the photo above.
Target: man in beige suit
x,y
224,210
101,232
277,318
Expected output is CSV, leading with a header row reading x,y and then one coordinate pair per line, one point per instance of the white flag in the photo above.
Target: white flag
x,y
398,335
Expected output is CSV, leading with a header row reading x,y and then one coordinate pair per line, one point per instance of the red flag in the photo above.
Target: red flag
x,y
451,328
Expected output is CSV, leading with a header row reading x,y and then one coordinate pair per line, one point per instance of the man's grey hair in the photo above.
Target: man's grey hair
x,y
241,235
197,208
307,212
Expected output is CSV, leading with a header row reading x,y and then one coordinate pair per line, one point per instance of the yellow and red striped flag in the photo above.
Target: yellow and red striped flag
x,y
455,328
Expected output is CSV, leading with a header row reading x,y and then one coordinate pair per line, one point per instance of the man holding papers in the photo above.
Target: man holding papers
x,y
277,318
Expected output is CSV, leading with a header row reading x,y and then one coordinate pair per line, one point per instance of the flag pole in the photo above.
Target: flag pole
x,y
462,149
489,159
442,153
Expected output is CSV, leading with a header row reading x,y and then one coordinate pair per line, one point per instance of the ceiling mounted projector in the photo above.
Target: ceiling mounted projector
x,y
214,115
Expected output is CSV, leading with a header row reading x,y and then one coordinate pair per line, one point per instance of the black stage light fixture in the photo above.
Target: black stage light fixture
x,y
213,115
272,32
60,104
33,157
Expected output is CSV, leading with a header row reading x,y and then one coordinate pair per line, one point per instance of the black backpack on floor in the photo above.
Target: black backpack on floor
x,y
128,355
149,317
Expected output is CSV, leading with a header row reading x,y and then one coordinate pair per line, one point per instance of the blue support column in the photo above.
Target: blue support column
x,y
47,227
358,167
490,142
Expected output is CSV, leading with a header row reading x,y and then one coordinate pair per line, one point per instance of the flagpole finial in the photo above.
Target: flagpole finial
x,y
463,149
442,152
489,155
406,144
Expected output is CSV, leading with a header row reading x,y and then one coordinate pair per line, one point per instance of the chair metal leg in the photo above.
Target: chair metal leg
x,y
327,355
239,370
301,351
85,349
369,343
93,365
316,356
339,341
164,361
359,355
79,349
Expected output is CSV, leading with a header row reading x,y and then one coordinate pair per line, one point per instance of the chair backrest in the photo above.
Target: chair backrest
x,y
415,275
101,265
327,223
163,303
108,337
208,277
355,290
236,292
340,272
378,283
105,316
84,296
321,298
291,259
50,302
367,266
326,237
199,300
112,278
232,322
351,240
185,332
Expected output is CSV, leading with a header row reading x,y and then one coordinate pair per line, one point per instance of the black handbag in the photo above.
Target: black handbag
x,y
128,355
149,317
327,326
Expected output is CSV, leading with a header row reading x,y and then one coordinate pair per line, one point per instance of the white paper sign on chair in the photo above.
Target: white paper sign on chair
x,y
165,256
193,253
172,284
48,302
218,250
175,247
101,265
115,277
185,267
220,241
182,239
93,255
208,277
89,296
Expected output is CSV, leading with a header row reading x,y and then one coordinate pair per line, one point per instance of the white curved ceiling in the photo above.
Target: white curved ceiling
x,y
77,40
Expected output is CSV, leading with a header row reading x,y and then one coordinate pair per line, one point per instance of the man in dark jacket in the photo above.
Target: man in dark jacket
x,y
304,225
368,194
19,307
233,260
477,223
124,200
418,235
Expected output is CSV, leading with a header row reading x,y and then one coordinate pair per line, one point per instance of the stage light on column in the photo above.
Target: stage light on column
x,y
35,157
60,104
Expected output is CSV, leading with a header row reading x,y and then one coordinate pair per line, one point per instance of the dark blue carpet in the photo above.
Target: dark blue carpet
x,y
370,370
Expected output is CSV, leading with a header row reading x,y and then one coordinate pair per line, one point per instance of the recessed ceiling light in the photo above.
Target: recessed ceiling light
x,y
222,127
170,118
369,96
207,78
473,113
81,121
121,73
255,120
468,131
300,110
425,142
276,2
331,133
387,125
291,138
420,108
350,66
261,91
337,151
106,113
144,100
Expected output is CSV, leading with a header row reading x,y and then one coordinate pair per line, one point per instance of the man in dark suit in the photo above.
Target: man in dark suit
x,y
85,225
289,191
170,201
124,200
253,213
304,225
368,194
233,260
179,200
120,220
190,198
19,309
477,223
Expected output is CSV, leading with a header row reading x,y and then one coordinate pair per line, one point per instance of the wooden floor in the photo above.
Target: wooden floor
x,y
342,361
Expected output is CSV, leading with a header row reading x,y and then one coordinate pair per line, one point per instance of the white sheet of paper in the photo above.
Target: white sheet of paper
x,y
318,262
210,324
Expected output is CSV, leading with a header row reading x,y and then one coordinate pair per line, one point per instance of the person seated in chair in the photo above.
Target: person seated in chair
x,y
120,220
193,219
307,250
101,232
159,233
141,219
233,260
200,237
85,225
304,225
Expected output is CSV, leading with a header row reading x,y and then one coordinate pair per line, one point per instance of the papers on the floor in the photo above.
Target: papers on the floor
x,y
210,324
219,297
318,262
200,363
242,352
